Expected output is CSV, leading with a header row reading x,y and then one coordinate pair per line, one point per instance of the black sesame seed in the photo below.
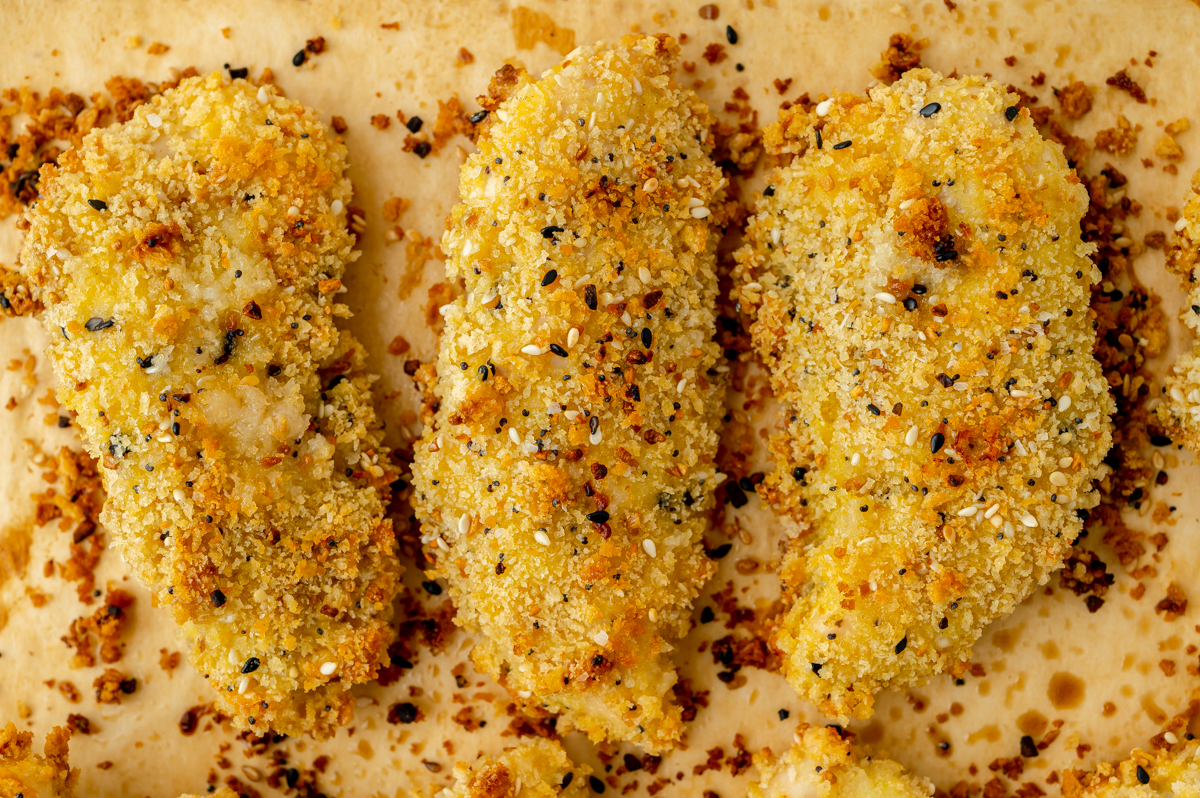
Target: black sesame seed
x,y
816,667
478,117
936,442
647,337
549,231
731,35
769,191
1142,776
820,141
95,324
598,517
552,275
596,785
558,350
1010,113
910,304
414,124
874,410
567,779
299,58
1160,440
930,109
99,205
432,588
422,149
841,145
218,598
405,713
251,665
784,714
707,615
903,644
240,72
589,296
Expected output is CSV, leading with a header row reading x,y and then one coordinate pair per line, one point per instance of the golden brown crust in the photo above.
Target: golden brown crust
x,y
564,486
1170,772
945,416
1179,407
24,773
188,282
534,769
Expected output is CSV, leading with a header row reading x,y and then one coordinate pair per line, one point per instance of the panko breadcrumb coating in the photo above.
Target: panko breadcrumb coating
x,y
1161,774
1179,412
564,487
535,769
188,261
920,299
24,773
823,764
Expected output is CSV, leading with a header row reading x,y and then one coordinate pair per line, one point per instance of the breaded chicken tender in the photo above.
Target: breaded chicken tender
x,y
1164,773
823,764
1179,412
188,261
920,299
535,769
24,773
564,486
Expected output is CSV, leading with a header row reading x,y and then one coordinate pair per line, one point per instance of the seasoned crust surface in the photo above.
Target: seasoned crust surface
x,y
823,764
920,299
1179,412
1164,773
188,260
564,486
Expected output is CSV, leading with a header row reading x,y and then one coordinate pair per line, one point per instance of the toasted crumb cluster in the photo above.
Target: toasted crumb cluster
x,y
1179,412
1165,773
536,769
824,764
564,486
188,261
23,772
920,299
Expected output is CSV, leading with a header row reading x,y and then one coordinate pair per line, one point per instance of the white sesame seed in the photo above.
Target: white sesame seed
x,y
967,512
63,254
1176,393
513,436
995,508
650,548
464,524
595,437
911,437
644,275
1028,520
1122,242
179,495
328,668
1179,225
884,296
637,86
1170,738
1058,479
823,107
1064,403
626,319
441,543
336,207
650,185
699,213
469,248
262,94
154,120
293,211
694,203
908,203
997,520
681,385
243,683
489,299
601,638
1064,462
572,337
753,286
541,537
1017,393
855,458
532,350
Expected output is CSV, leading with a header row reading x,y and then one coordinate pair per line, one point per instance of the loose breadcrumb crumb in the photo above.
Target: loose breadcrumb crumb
x,y
23,772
